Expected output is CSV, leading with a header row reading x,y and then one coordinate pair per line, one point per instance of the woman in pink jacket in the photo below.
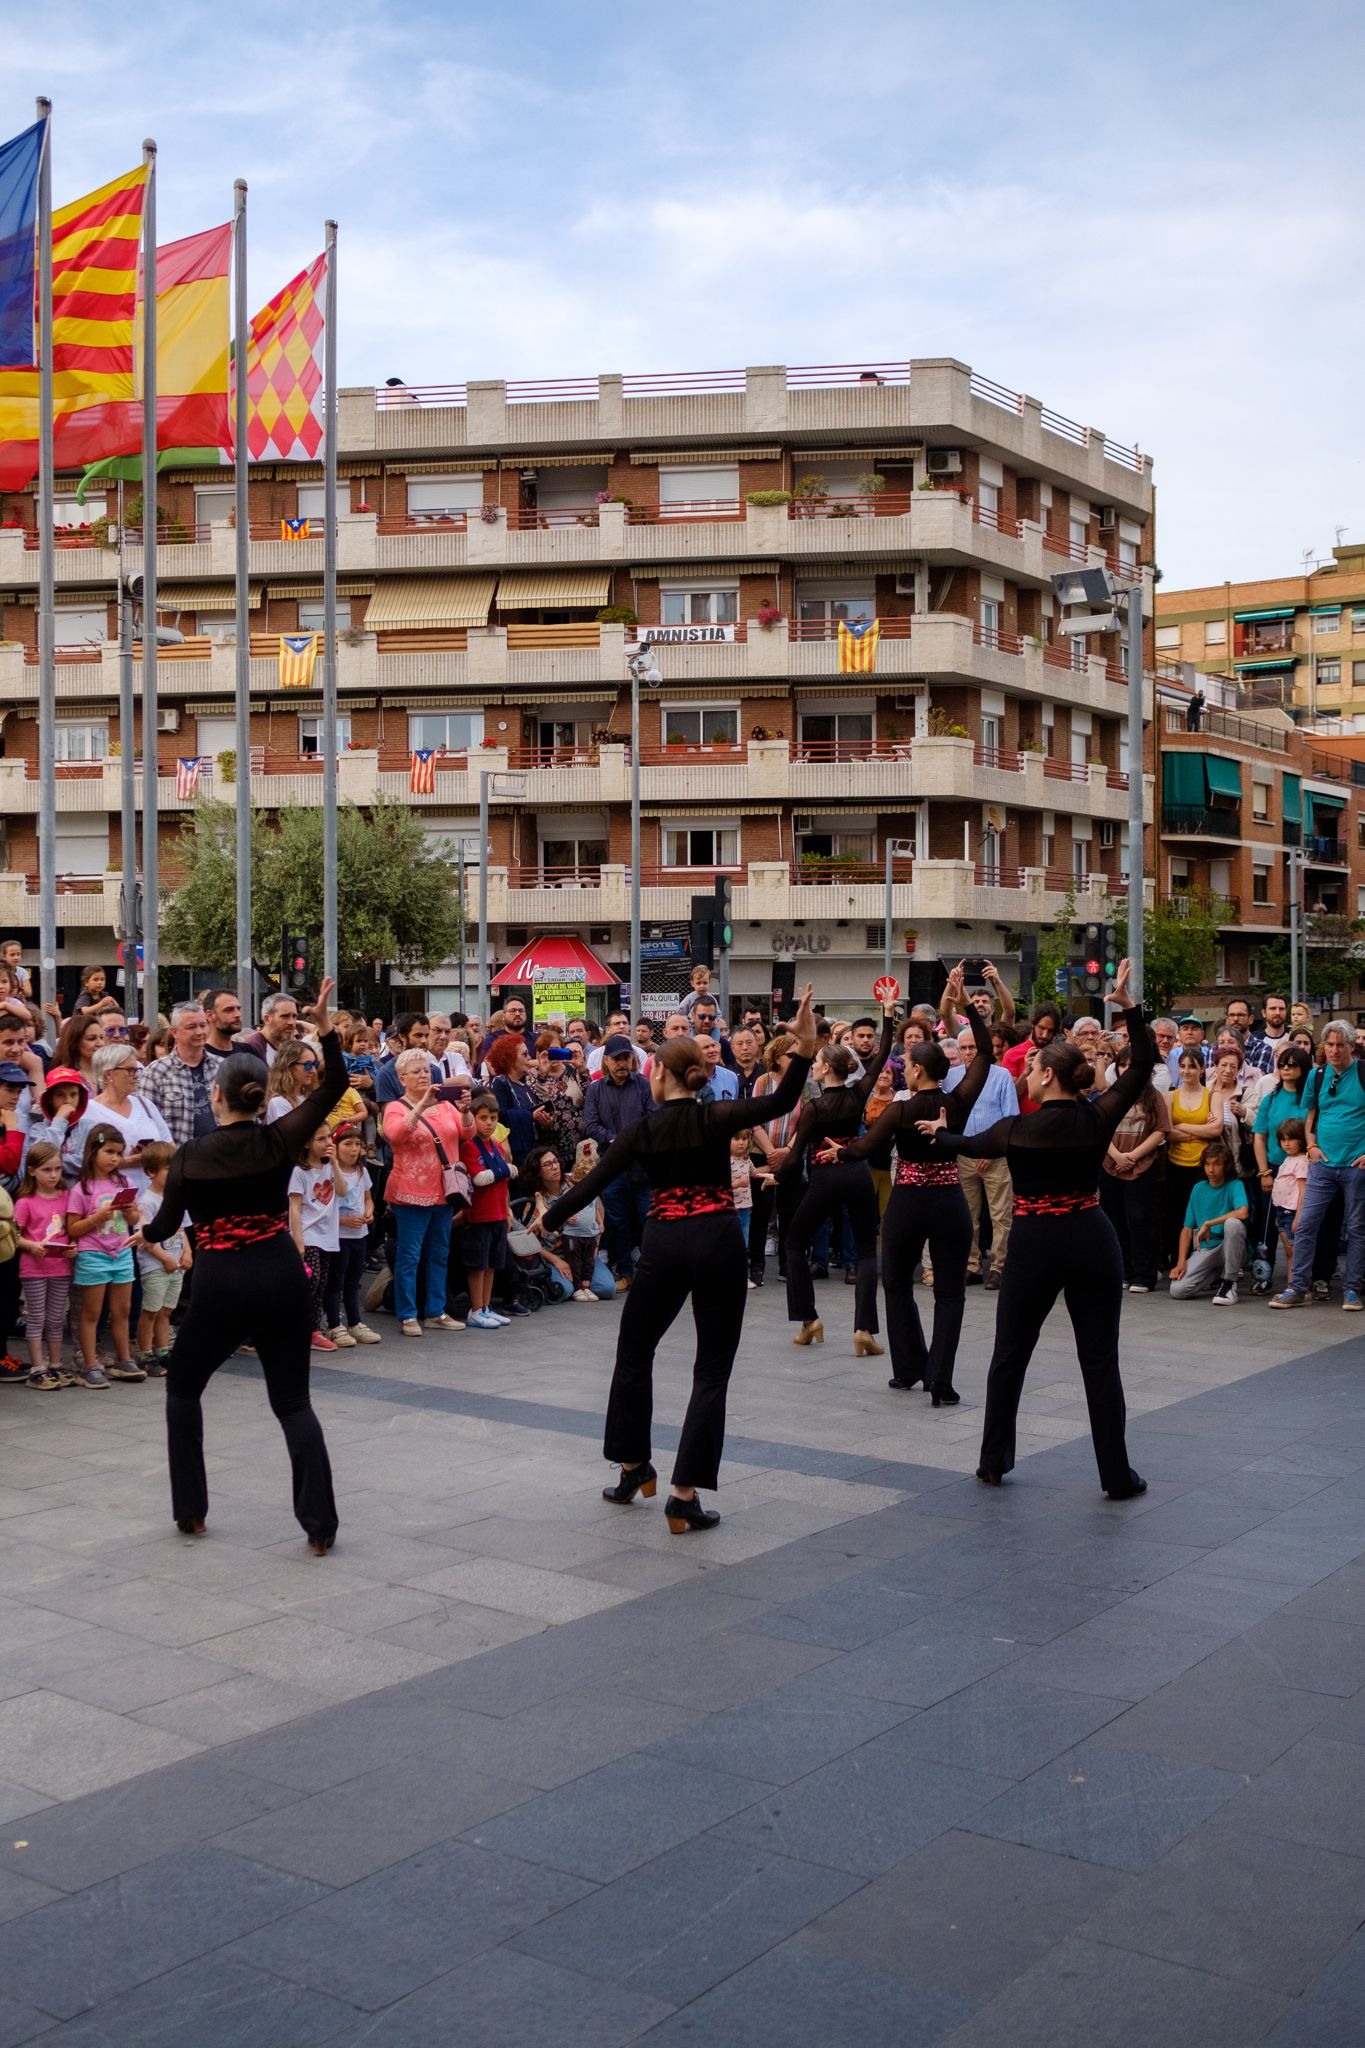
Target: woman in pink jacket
x,y
415,1191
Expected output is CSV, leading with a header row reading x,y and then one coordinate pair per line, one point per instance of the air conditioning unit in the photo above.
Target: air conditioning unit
x,y
1107,517
943,461
905,703
905,586
168,720
1109,832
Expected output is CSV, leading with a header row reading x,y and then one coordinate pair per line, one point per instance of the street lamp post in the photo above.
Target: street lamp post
x,y
896,849
492,782
643,669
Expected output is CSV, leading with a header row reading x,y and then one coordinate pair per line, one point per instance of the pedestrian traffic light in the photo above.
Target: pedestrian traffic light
x,y
294,961
722,927
1109,952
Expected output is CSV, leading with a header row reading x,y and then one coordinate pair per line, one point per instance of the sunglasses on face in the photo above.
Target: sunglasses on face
x,y
308,1066
116,1031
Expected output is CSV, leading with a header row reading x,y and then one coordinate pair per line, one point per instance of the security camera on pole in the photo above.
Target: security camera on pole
x,y
1094,601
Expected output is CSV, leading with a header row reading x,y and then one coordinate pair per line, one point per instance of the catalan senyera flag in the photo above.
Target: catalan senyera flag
x,y
192,327
298,657
94,305
284,371
858,646
296,529
422,775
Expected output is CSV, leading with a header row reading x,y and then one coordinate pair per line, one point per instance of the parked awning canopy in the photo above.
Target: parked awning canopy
x,y
559,954
204,597
411,602
538,589
1292,799
1285,612
1224,776
1183,777
1279,661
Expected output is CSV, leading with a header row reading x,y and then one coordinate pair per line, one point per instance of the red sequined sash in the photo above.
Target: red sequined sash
x,y
918,1173
671,1205
1053,1205
234,1233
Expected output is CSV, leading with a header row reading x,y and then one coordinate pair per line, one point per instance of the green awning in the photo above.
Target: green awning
x,y
1327,803
1243,618
1278,661
1183,778
1290,798
1320,608
1224,776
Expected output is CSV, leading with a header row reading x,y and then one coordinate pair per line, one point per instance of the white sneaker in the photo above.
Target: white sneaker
x,y
753,1286
1226,1295
583,1294
483,1319
342,1338
361,1333
1138,1289
412,1328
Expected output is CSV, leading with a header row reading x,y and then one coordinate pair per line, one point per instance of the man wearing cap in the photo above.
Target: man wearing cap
x,y
1191,1029
618,1098
14,1081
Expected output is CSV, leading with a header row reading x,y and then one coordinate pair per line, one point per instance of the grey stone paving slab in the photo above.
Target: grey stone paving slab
x,y
1210,1716
155,1611
350,1830
1027,1613
62,1748
1088,1995
920,1665
457,1629
1311,1652
21,1894
677,1926
1123,1653
796,1993
1006,1724
850,1612
87,1840
385,1936
17,1801
216,2002
739,1666
564,1738
866,1810
220,1713
503,2000
966,1914
144,1679
320,1659
67,1957
612,1819
1314,1793
1267,1912
1108,1805
785,1735
1205,1600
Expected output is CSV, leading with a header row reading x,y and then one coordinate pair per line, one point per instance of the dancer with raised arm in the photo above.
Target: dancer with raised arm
x,y
692,1246
927,1205
1061,1241
828,1124
250,1286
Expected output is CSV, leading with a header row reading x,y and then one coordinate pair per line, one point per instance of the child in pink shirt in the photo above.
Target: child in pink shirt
x,y
45,1255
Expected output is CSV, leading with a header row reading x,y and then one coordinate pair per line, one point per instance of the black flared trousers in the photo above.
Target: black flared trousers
x,y
700,1256
259,1296
939,1217
831,1188
1077,1256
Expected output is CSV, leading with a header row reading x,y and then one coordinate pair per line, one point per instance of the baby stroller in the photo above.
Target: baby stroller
x,y
1263,1254
523,1277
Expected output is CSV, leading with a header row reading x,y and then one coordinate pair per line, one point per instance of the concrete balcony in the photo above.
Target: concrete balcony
x,y
938,398
88,901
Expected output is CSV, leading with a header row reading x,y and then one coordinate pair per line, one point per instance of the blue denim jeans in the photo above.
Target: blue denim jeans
x,y
624,1206
420,1228
1323,1185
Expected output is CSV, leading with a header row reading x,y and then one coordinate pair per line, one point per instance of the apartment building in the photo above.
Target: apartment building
x,y
1237,796
502,546
1295,643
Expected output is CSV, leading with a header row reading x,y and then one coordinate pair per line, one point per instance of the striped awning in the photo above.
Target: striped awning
x,y
674,572
534,589
411,602
204,597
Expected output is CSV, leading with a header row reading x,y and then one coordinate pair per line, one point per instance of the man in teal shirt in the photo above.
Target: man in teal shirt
x,y
1334,1109
1213,1242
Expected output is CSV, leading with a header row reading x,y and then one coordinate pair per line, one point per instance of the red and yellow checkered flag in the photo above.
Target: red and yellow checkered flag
x,y
284,371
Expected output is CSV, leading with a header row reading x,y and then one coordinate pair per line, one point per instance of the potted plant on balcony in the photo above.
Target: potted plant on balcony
x,y
617,615
489,514
227,765
769,615
810,494
944,727
722,743
765,732
363,507
492,739
871,483
767,498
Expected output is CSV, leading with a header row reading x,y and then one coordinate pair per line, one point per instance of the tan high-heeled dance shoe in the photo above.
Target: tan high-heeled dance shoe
x,y
865,1345
810,1333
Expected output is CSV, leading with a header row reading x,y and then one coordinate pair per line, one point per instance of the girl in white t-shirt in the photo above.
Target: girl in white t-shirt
x,y
355,1214
315,1188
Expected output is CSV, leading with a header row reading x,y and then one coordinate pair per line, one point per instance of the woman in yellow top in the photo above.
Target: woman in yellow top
x,y
1194,1120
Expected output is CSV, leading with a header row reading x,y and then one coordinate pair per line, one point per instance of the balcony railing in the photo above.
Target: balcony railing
x,y
681,510
827,375
420,522
1321,851
990,875
851,505
833,868
1200,821
828,629
679,753
849,750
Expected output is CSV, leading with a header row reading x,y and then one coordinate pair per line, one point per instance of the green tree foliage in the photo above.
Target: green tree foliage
x,y
396,894
1335,953
1180,938
1054,950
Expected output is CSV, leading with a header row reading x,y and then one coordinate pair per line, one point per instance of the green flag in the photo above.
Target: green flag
x,y
128,468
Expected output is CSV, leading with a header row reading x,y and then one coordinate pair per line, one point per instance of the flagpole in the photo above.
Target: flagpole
x,y
127,725
151,893
329,612
47,622
246,975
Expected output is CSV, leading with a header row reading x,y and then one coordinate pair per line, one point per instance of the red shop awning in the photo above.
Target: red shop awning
x,y
556,953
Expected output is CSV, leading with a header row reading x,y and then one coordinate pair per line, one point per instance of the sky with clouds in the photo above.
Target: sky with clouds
x,y
1150,218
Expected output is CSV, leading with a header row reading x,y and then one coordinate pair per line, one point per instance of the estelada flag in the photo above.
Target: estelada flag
x,y
284,371
422,774
858,646
298,655
94,306
295,529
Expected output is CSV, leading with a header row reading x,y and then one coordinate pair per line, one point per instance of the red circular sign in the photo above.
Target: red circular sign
x,y
886,989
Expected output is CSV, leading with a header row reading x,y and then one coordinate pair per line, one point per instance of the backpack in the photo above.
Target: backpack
x,y
1312,1090
9,1229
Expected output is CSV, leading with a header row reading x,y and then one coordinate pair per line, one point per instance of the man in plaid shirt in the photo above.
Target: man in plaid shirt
x,y
179,1084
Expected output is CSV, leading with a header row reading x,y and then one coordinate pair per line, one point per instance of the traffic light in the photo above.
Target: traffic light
x,y
294,961
703,939
722,927
1109,952
1092,940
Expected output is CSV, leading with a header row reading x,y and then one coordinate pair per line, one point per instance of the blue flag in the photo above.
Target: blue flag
x,y
19,161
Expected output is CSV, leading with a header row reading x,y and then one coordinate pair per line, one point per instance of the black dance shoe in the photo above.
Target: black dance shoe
x,y
989,1478
903,1386
320,1545
819,1272
639,1479
943,1397
1134,1488
688,1514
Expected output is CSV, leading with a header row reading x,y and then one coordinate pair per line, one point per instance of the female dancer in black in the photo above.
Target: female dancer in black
x,y
250,1286
927,1205
692,1246
1061,1242
829,1121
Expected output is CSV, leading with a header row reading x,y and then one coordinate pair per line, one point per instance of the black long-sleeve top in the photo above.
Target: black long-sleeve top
x,y
896,1126
243,1169
838,1112
685,1144
1061,1148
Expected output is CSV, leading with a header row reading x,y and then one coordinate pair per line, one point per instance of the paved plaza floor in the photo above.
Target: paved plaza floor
x,y
888,1758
